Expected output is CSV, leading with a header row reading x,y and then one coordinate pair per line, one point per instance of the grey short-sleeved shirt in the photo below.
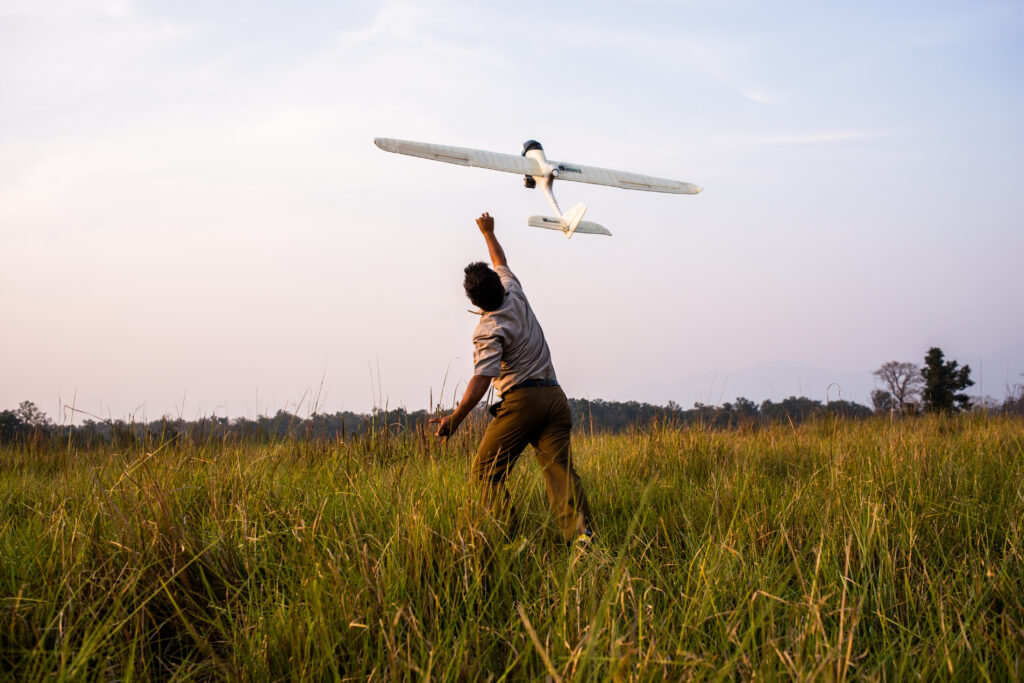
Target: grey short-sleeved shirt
x,y
508,343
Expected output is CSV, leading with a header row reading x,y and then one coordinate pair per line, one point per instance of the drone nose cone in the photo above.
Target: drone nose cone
x,y
531,144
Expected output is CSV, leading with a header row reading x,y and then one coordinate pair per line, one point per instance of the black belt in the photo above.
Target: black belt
x,y
531,383
493,410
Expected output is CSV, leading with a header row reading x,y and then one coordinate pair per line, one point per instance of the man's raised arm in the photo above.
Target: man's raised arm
x,y
486,225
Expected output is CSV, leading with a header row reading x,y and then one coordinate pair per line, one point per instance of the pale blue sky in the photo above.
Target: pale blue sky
x,y
194,219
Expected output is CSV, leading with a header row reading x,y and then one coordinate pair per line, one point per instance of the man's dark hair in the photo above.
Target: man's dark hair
x,y
483,287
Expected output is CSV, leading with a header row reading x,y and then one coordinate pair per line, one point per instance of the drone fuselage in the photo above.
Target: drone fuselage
x,y
533,150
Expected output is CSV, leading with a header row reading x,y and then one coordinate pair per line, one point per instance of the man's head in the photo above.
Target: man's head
x,y
483,286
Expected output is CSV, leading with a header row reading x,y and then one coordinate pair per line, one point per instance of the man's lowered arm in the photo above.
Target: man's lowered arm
x,y
475,391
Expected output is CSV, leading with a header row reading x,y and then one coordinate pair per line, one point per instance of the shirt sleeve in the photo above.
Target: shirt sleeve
x,y
508,280
487,355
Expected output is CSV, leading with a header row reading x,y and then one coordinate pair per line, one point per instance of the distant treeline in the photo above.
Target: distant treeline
x,y
27,422
613,416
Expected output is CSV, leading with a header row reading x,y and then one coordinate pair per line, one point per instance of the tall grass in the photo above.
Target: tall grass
x,y
828,550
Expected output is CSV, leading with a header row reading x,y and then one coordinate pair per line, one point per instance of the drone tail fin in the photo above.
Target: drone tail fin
x,y
573,218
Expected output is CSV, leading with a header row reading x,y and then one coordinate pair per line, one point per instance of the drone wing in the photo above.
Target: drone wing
x,y
462,156
623,179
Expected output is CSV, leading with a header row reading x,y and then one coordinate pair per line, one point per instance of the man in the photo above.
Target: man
x,y
510,350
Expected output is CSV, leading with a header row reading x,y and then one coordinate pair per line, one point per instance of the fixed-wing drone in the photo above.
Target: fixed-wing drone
x,y
538,170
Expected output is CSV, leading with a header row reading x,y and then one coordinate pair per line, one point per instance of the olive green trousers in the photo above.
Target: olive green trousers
x,y
538,416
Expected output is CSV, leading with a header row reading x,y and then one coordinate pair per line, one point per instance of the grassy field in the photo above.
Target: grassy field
x,y
830,550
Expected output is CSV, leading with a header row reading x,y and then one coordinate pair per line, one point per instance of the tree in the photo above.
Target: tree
x,y
944,382
10,425
904,382
847,409
31,416
882,401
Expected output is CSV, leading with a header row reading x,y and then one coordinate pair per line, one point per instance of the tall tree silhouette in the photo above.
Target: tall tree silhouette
x,y
944,382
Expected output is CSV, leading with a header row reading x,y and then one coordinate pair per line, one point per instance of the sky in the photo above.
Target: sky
x,y
194,219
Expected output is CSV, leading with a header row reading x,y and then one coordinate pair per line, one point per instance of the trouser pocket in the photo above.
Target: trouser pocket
x,y
493,410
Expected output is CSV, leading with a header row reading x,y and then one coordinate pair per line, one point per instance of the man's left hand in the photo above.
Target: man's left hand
x,y
446,426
